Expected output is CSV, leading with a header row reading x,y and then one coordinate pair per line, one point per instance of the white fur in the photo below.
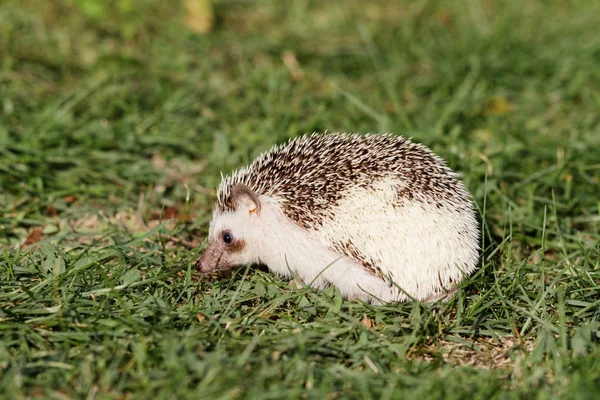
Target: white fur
x,y
288,250
416,245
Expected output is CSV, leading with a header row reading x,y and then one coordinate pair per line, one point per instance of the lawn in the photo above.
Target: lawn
x,y
117,119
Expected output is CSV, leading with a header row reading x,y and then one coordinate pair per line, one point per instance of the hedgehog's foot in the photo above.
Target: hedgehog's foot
x,y
362,285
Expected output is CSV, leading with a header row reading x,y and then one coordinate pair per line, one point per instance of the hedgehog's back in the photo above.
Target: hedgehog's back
x,y
311,174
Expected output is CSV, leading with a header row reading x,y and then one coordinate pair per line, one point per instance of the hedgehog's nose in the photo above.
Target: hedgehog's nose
x,y
203,264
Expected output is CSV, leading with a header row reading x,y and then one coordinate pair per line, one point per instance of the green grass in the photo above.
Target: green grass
x,y
115,123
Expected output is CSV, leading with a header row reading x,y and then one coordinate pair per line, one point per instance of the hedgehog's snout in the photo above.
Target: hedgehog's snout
x,y
215,257
200,265
206,262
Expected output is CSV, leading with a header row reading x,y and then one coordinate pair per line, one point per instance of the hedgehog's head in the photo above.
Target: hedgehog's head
x,y
235,232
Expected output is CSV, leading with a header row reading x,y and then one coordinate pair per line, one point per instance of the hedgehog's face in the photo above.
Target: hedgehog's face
x,y
232,234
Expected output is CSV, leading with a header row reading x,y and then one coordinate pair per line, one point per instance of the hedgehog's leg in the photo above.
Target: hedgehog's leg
x,y
355,282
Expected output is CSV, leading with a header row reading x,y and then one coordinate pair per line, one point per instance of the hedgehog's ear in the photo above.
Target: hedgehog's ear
x,y
245,199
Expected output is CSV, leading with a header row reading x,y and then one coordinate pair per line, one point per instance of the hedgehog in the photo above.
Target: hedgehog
x,y
378,216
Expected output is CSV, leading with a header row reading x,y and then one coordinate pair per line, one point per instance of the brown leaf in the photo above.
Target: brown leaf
x,y
368,322
167,213
34,237
170,213
51,211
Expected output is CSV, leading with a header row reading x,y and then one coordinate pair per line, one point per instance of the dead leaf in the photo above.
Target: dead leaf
x,y
367,322
51,211
200,16
167,213
291,63
34,237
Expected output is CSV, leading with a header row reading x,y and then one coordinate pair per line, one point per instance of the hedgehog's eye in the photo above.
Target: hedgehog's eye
x,y
227,237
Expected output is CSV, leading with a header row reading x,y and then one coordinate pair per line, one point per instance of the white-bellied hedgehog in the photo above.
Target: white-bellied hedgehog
x,y
381,218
